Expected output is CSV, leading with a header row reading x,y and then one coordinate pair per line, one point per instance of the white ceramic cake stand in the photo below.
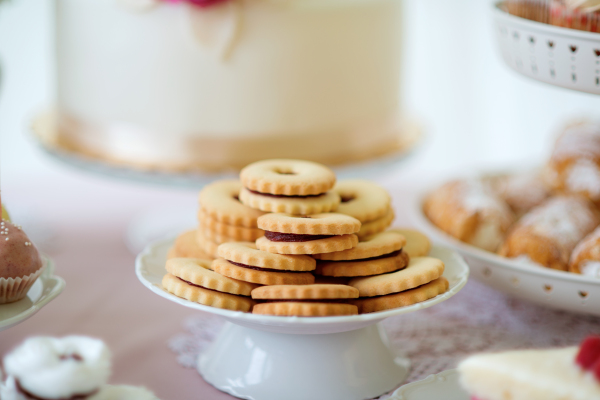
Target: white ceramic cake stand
x,y
294,358
45,289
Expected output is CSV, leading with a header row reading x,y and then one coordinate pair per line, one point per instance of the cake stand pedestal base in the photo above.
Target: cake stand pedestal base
x,y
260,365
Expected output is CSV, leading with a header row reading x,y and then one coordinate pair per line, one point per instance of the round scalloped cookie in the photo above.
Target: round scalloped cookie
x,y
206,244
240,233
379,225
417,244
287,177
199,272
220,200
420,270
248,254
373,246
333,243
267,277
186,245
402,299
304,292
290,204
315,224
364,200
301,309
351,269
208,297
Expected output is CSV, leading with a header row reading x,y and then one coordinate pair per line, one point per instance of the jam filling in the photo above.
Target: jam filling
x,y
30,396
198,286
293,237
306,196
262,269
332,301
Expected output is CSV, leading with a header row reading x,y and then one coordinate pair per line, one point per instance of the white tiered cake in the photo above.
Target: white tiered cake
x,y
176,85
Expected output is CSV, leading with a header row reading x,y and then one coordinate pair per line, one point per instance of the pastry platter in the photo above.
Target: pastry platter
x,y
548,287
559,56
45,289
439,386
295,358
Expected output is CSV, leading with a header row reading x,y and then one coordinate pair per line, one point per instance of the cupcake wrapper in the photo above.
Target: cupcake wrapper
x,y
14,289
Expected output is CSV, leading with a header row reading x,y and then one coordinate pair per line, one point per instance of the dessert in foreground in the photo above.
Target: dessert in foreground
x,y
72,367
558,374
20,263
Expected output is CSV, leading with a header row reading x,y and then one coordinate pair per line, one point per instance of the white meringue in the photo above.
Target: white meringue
x,y
54,368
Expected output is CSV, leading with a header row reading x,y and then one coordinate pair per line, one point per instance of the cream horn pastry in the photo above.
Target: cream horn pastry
x,y
548,234
585,259
470,211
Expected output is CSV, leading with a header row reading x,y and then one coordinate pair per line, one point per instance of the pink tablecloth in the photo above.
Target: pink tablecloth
x,y
103,298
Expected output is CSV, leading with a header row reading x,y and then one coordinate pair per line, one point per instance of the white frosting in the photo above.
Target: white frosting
x,y
123,392
528,375
38,367
217,27
590,268
293,72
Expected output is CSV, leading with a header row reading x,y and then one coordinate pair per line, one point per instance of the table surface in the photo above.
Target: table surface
x,y
89,216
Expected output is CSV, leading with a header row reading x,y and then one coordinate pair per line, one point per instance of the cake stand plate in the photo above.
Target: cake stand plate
x,y
45,289
369,168
559,56
296,358
439,386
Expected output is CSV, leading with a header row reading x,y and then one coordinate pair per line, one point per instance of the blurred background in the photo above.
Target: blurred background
x,y
476,113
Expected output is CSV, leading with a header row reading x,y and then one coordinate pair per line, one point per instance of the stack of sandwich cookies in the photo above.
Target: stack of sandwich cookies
x,y
288,186
367,202
243,261
223,218
378,254
194,280
307,234
420,281
305,300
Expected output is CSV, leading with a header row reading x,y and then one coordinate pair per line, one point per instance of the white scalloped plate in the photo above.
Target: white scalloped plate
x,y
45,289
555,289
150,269
442,386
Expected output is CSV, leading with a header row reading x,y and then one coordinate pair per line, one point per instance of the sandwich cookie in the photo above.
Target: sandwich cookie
x,y
305,300
290,186
307,234
417,244
364,200
403,299
194,280
243,261
220,201
379,254
238,233
378,225
186,245
420,270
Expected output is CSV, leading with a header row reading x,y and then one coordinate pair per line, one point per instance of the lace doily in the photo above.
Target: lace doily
x,y
476,319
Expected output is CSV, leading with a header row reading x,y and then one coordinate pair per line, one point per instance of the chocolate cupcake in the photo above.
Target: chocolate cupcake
x,y
20,263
